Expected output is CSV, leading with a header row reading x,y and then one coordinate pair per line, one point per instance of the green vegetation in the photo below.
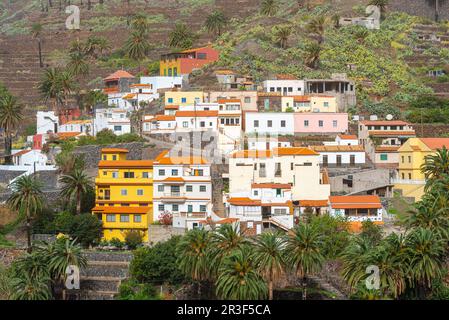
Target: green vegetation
x,y
10,119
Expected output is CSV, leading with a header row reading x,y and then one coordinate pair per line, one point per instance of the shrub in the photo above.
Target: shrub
x,y
371,231
87,229
157,264
106,136
132,290
116,242
133,239
165,219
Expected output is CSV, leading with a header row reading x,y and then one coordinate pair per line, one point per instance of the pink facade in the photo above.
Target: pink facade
x,y
320,122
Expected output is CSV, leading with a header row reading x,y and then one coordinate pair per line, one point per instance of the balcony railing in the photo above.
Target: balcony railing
x,y
406,181
174,194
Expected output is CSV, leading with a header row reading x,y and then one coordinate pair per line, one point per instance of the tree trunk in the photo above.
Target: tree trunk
x,y
78,202
304,288
8,148
28,227
437,10
40,52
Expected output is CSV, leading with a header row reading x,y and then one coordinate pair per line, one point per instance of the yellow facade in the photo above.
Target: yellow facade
x,y
124,194
170,67
180,98
323,104
412,153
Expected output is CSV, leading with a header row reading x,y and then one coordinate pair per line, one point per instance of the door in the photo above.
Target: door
x,y
338,160
107,194
352,159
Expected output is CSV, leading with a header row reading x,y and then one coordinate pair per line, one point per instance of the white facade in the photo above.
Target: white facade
x,y
29,157
341,155
267,143
286,87
114,119
81,126
182,187
196,121
161,82
273,123
46,121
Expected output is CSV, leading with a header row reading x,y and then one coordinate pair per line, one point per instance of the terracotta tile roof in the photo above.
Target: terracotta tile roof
x,y
171,107
161,117
387,148
348,137
209,113
129,96
381,133
313,203
356,148
355,202
227,220
244,202
21,152
294,151
126,164
114,150
118,75
67,135
108,209
161,155
436,143
174,179
252,154
384,123
271,186
223,101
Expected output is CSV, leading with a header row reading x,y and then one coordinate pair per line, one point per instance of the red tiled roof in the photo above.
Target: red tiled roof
x,y
118,75
436,143
387,148
313,203
355,202
171,107
348,136
294,151
244,202
223,101
301,98
114,150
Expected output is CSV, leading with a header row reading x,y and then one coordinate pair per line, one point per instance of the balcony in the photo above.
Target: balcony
x,y
173,197
406,181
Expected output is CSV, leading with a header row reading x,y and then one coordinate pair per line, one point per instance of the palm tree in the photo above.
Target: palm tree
x,y
10,119
36,30
216,22
239,279
437,10
269,7
312,54
305,255
436,165
269,257
224,240
96,46
317,26
137,46
282,33
51,88
26,199
75,184
192,256
77,64
140,23
181,37
27,287
426,251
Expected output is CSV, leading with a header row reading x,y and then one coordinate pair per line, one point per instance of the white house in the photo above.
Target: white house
x,y
159,124
196,120
287,87
341,155
29,157
267,143
114,119
46,122
343,140
160,82
272,123
182,186
80,126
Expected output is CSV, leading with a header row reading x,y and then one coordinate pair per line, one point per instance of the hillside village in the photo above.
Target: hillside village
x,y
290,126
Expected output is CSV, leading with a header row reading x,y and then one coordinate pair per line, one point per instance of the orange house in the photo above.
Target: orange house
x,y
184,62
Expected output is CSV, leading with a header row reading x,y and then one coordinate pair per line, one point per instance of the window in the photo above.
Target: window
x,y
160,188
256,193
185,124
189,208
140,192
124,218
352,159
383,157
338,160
161,172
198,172
183,100
105,173
269,123
410,176
272,89
114,157
256,123
189,188
174,172
290,89
409,159
278,192
110,218
202,55
124,192
175,207
292,166
202,188
320,123
117,128
283,123
403,176
161,207
335,123
262,172
326,104
137,218
325,160
247,99
104,157
306,123
115,174
277,170
170,100
402,159
202,208
202,124
129,175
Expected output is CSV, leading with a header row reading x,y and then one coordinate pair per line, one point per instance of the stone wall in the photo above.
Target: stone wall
x,y
362,180
158,233
423,8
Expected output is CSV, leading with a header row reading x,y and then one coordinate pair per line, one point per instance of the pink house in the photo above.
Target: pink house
x,y
320,122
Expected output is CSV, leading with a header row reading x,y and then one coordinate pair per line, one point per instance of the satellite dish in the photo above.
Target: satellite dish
x,y
389,117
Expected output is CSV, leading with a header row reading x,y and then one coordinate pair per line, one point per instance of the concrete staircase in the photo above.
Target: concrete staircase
x,y
103,275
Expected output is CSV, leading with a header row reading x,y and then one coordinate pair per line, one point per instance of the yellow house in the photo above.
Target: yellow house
x,y
124,194
181,98
412,153
309,103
